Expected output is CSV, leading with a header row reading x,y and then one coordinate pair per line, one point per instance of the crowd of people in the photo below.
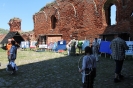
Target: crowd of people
x,y
118,47
75,43
89,60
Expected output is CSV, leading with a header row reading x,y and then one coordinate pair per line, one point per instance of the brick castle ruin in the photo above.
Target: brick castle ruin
x,y
15,26
84,19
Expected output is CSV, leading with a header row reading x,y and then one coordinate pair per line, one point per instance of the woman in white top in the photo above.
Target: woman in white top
x,y
88,68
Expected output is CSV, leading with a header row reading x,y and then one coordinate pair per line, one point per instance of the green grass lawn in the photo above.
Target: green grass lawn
x,y
57,70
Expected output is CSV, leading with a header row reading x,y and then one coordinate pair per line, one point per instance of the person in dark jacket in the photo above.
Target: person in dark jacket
x,y
12,56
13,51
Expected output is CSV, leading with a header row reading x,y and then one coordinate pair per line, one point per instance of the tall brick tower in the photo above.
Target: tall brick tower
x,y
15,24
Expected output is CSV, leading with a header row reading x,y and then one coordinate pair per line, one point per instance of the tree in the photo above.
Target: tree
x,y
3,31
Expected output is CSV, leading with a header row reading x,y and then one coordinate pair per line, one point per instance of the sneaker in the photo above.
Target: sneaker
x,y
116,80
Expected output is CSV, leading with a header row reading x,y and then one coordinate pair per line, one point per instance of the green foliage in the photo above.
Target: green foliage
x,y
3,31
42,8
48,5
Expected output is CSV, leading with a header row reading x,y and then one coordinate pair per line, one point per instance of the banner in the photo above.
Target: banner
x,y
130,50
105,47
62,42
61,45
25,44
33,44
42,46
85,43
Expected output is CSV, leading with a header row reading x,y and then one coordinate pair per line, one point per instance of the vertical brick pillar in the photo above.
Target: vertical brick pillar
x,y
15,24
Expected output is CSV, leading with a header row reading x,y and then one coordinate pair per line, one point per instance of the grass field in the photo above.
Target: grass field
x,y
57,70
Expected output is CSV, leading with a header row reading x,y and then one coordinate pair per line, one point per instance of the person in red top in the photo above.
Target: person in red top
x,y
8,47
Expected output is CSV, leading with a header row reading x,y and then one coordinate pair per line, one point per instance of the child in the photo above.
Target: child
x,y
88,68
12,57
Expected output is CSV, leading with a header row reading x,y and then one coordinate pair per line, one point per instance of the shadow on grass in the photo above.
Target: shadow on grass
x,y
55,73
62,72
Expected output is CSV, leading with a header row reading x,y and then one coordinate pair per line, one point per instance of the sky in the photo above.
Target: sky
x,y
113,14
23,9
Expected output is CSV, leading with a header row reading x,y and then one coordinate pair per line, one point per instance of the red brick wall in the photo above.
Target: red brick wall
x,y
15,24
53,39
82,18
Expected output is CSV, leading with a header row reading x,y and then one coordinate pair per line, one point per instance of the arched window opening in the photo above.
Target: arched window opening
x,y
110,13
53,22
123,2
113,15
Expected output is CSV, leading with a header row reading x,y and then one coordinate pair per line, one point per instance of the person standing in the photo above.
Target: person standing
x,y
88,68
72,46
79,45
54,46
13,55
8,47
13,51
68,48
95,48
118,47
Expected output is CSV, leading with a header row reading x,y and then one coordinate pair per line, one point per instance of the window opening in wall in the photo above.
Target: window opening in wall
x,y
123,2
53,22
113,15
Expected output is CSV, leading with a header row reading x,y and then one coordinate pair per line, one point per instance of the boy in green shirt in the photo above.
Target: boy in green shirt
x,y
80,43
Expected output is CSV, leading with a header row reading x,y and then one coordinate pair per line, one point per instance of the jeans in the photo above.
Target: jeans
x,y
119,64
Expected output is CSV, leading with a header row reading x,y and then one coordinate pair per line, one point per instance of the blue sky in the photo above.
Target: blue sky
x,y
113,14
23,9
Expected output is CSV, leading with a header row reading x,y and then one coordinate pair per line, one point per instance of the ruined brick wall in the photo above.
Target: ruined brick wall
x,y
81,18
28,36
53,39
15,24
124,18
